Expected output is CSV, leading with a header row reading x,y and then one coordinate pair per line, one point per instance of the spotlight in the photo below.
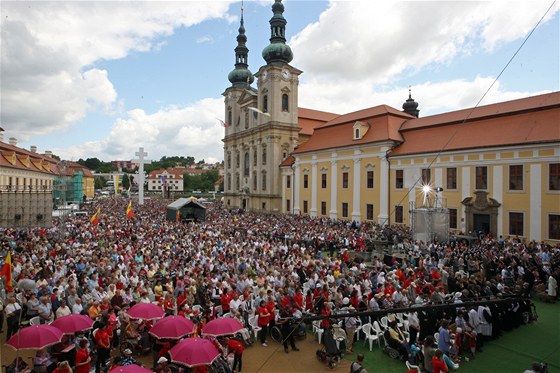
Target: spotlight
x,y
426,189
439,189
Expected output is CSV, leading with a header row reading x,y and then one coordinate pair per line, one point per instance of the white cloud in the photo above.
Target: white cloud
x,y
49,48
206,39
193,130
378,40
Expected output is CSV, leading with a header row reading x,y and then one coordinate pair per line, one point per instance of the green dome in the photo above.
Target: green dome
x,y
240,77
277,52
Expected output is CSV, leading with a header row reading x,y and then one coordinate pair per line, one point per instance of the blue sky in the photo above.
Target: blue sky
x,y
100,79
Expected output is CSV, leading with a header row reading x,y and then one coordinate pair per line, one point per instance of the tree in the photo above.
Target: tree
x,y
99,182
126,181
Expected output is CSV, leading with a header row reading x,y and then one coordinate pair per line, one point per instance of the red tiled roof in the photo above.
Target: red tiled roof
x,y
383,121
309,119
518,122
13,157
288,161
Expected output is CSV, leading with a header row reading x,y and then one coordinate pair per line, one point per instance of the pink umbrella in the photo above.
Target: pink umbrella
x,y
145,311
132,368
222,326
73,323
172,327
194,351
35,337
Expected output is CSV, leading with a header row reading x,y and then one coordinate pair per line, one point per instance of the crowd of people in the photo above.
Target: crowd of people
x,y
263,267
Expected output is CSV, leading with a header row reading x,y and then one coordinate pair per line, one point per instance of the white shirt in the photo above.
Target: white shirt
x,y
77,308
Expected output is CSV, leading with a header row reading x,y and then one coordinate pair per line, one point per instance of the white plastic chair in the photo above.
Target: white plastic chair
x,y
317,329
218,310
370,335
253,322
35,320
384,322
413,367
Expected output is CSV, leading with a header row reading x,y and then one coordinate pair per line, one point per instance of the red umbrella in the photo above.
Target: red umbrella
x,y
145,311
194,351
222,326
35,337
132,368
73,323
172,327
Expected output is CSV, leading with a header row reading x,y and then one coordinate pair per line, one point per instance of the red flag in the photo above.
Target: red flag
x,y
177,216
95,217
129,211
224,124
7,272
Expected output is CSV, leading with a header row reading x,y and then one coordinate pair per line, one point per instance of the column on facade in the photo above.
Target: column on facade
x,y
356,187
383,216
313,211
497,194
334,186
297,177
465,192
535,203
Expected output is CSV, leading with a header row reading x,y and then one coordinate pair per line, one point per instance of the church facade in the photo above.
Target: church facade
x,y
494,168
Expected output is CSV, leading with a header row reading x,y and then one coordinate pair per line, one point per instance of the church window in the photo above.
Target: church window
x,y
265,104
285,103
554,176
229,116
246,119
264,156
255,158
228,182
246,165
516,223
237,162
254,181
481,179
237,183
263,186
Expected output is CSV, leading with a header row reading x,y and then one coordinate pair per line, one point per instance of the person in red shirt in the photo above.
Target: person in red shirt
x,y
103,345
437,362
298,300
309,300
326,311
237,348
263,320
224,300
83,360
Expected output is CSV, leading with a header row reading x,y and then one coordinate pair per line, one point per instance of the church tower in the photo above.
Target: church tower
x,y
262,123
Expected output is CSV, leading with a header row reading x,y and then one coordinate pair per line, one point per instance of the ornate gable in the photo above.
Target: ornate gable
x,y
359,130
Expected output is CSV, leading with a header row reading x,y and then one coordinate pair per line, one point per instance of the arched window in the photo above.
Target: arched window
x,y
237,182
229,116
357,134
246,165
237,160
265,104
229,159
264,155
254,181
285,104
228,182
255,154
246,119
263,185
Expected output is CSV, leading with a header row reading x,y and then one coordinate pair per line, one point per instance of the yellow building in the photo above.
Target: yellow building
x,y
496,168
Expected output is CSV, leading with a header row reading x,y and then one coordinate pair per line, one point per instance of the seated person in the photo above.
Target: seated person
x,y
127,359
398,341
18,366
43,358
63,367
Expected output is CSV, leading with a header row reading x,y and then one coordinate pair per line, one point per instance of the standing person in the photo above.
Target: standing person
x,y
444,340
263,320
350,324
83,359
103,345
358,366
13,311
237,348
285,321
